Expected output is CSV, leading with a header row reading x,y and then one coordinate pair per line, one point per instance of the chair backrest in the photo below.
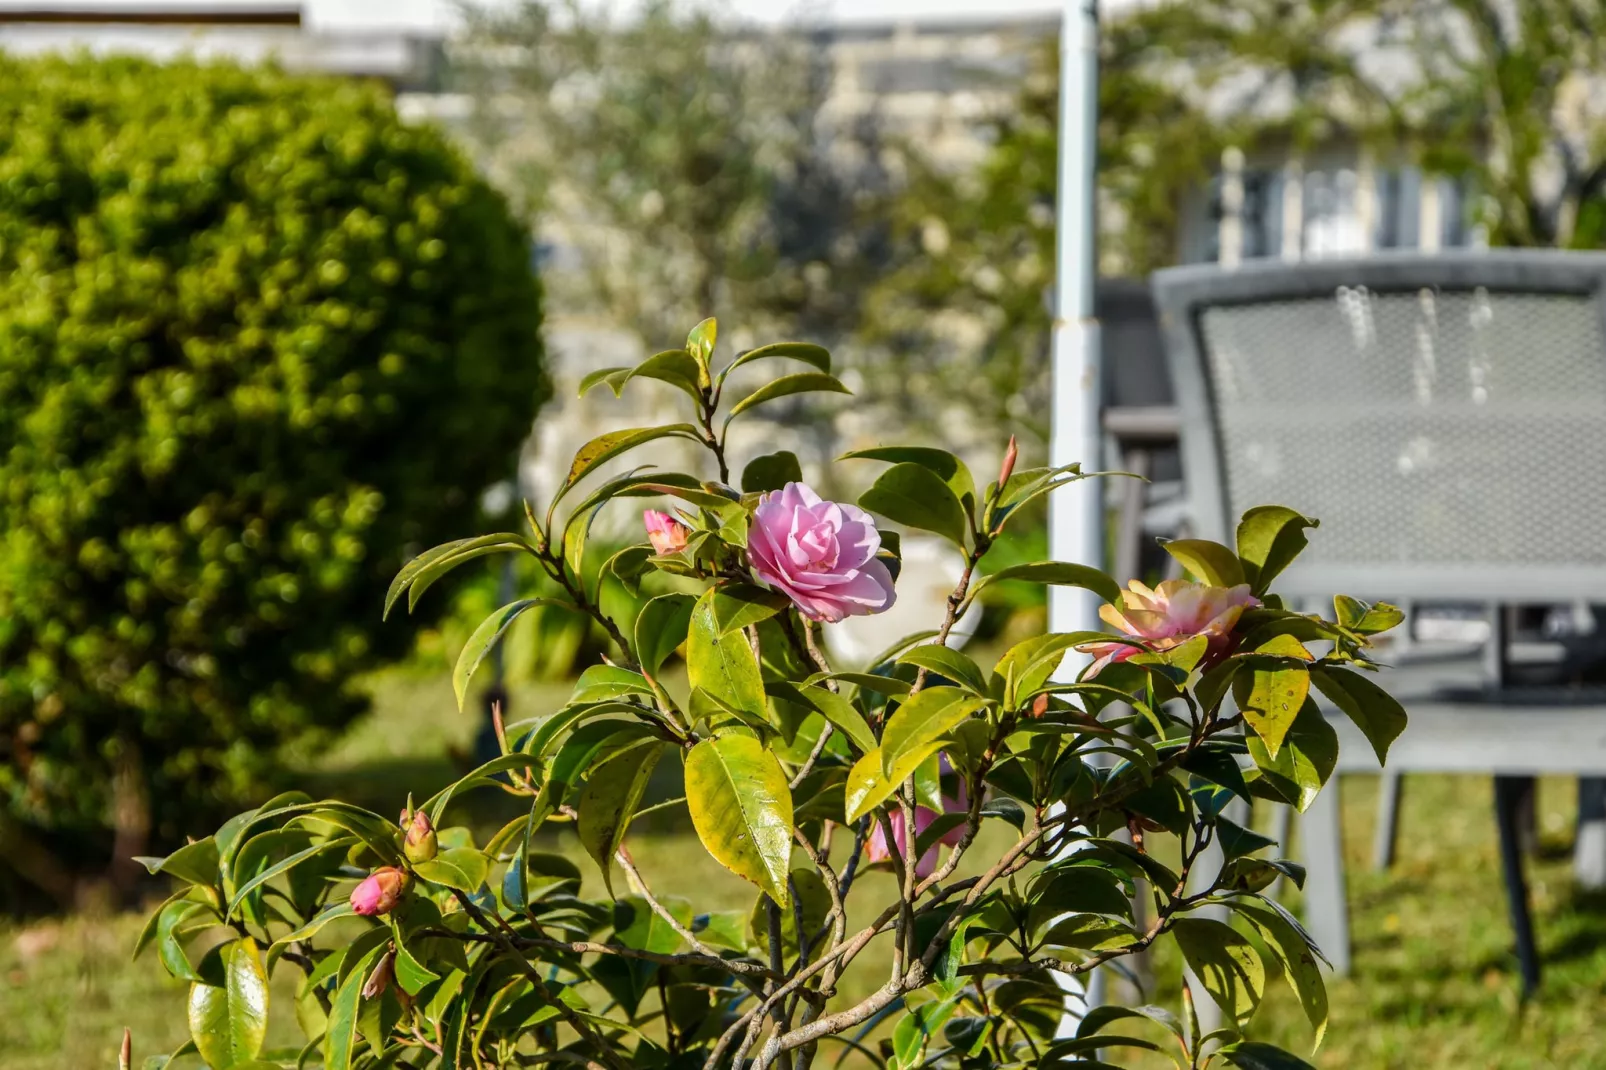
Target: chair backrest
x,y
1444,416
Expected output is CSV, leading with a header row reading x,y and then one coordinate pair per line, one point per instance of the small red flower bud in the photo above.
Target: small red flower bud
x,y
379,892
1008,467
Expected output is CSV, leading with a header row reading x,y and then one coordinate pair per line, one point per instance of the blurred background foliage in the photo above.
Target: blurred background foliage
x,y
259,341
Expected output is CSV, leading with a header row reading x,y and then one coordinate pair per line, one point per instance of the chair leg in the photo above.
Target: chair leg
x,y
1589,849
1326,906
1513,795
1388,821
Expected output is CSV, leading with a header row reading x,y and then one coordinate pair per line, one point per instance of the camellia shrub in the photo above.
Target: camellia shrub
x,y
260,341
1020,809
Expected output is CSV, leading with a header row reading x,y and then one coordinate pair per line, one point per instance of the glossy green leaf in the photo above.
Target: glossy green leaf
x,y
834,708
463,868
485,637
1209,562
411,974
606,447
661,627
1225,962
194,862
950,663
1375,712
229,1022
1057,574
742,809
801,383
1254,1055
722,665
870,784
944,465
674,366
737,605
807,352
1364,619
1274,696
1299,963
772,471
340,1039
925,719
1303,765
441,559
609,800
1269,538
701,339
915,496
284,865
602,682
616,378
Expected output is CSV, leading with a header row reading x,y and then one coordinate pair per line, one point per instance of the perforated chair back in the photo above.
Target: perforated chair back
x,y
1443,416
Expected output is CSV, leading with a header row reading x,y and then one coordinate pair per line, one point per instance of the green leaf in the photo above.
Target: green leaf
x,y
1364,619
606,447
661,627
1058,574
807,352
229,1022
1298,961
834,708
1375,712
1237,841
284,865
616,378
1253,1055
742,809
870,783
340,1038
772,471
600,683
463,868
801,383
913,495
442,559
486,636
722,665
1210,562
674,366
1269,538
1307,758
194,862
341,909
172,930
609,800
700,341
736,605
1275,696
1225,962
945,661
411,974
944,465
923,720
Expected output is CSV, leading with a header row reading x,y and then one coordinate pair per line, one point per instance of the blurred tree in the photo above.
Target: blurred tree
x,y
687,166
969,301
259,341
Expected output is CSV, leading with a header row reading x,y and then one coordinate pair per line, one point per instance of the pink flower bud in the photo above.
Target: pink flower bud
x,y
1008,467
666,534
420,845
379,892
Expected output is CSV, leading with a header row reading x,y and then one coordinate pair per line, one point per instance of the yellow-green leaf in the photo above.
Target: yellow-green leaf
x,y
1276,695
742,809
609,800
1209,561
229,1023
722,665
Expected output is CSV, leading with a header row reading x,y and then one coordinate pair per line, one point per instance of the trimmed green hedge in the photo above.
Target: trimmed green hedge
x,y
259,342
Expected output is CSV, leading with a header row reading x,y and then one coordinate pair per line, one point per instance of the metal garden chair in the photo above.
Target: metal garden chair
x,y
1445,417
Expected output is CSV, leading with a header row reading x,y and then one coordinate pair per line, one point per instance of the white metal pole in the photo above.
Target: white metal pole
x,y
1076,514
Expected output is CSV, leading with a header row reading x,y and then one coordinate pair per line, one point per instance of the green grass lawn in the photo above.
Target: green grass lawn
x,y
1434,985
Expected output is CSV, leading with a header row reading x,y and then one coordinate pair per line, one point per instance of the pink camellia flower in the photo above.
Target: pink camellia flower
x,y
379,892
666,534
1169,616
820,554
875,849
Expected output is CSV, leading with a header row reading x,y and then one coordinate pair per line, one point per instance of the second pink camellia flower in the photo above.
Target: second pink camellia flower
x,y
820,554
666,534
1170,615
379,892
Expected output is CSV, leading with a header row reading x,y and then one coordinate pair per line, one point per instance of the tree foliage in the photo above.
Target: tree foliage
x,y
421,944
257,340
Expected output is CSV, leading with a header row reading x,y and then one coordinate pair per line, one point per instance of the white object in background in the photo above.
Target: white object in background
x,y
931,570
1076,513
